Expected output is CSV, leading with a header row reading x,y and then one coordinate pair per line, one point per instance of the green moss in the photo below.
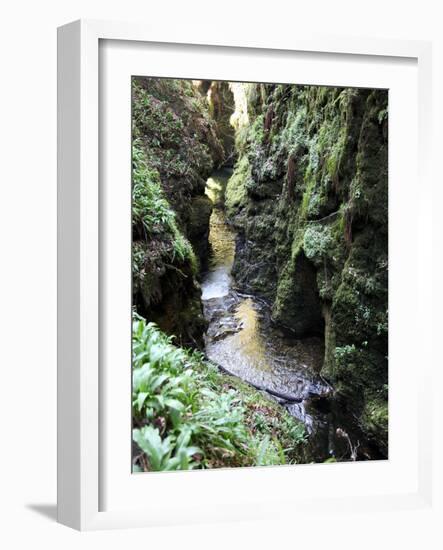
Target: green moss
x,y
336,152
375,420
284,292
293,136
308,205
235,193
314,215
297,305
330,343
317,242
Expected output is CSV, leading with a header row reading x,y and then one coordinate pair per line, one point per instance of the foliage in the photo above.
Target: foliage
x,y
175,148
344,354
149,206
187,415
173,122
168,453
317,241
151,210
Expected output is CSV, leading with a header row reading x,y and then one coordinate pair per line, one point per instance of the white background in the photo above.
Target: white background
x,y
28,285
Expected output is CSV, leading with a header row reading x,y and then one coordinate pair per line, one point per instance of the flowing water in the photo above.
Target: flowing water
x,y
242,339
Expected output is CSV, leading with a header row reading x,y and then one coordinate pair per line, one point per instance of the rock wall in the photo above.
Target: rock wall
x,y
221,107
175,148
309,198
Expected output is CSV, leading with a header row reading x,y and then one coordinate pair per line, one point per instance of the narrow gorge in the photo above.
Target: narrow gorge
x,y
260,274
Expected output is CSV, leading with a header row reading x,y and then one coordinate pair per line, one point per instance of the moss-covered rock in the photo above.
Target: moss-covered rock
x,y
374,420
221,107
297,305
198,226
309,197
175,149
235,194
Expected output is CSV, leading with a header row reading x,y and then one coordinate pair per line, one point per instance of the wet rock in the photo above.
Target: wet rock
x,y
198,227
179,145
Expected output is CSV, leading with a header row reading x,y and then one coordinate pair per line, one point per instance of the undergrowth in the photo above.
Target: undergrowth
x,y
152,215
187,415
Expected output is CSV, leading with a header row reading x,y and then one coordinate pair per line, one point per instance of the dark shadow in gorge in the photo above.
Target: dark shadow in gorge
x,y
305,317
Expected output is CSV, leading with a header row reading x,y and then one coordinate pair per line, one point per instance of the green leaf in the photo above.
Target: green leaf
x,y
158,381
141,398
157,450
174,404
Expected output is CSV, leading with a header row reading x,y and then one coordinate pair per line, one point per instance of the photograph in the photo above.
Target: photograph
x,y
259,274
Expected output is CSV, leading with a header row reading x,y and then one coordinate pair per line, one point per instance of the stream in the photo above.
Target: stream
x,y
242,339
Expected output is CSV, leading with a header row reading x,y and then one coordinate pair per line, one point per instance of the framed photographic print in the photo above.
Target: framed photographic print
x,y
234,224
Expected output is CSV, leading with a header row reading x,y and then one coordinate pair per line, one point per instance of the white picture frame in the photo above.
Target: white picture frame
x,y
81,413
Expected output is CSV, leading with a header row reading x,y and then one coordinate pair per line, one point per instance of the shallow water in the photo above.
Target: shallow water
x,y
241,339
218,280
